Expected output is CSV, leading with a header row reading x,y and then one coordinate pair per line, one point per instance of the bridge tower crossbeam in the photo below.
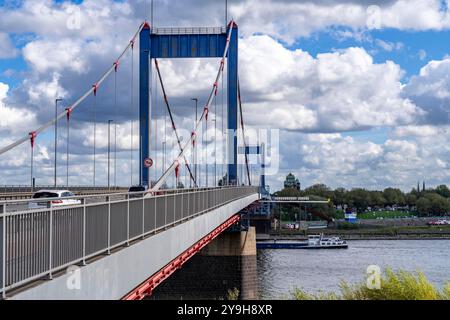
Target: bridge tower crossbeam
x,y
171,43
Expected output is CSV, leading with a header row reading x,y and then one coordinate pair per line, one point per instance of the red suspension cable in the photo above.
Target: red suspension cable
x,y
166,100
243,134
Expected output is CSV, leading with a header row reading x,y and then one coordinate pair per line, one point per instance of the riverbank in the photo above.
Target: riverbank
x,y
367,233
280,272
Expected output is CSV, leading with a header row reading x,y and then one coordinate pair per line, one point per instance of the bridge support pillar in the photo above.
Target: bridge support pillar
x,y
224,269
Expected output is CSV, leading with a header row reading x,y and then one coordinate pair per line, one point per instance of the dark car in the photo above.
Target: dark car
x,y
137,191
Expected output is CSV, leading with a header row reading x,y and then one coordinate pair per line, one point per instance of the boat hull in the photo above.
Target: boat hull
x,y
296,245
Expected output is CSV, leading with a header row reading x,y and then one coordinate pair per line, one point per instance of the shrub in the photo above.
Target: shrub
x,y
233,294
400,285
348,226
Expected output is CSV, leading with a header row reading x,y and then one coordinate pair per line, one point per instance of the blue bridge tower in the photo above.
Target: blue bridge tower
x,y
187,43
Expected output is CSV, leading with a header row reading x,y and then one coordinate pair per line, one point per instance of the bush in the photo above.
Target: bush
x,y
400,285
233,294
348,226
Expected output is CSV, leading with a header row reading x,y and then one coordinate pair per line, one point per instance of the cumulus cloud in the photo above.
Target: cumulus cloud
x,y
7,49
289,19
430,90
341,160
13,120
339,91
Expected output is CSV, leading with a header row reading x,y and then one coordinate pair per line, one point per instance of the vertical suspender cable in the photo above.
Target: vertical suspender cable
x,y
155,164
132,114
95,131
215,142
223,132
165,140
32,136
68,112
115,124
206,151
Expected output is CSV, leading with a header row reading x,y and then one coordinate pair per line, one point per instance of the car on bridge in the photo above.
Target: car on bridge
x,y
137,191
41,195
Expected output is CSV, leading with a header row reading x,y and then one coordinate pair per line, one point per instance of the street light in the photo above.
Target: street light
x,y
56,133
109,152
215,151
194,152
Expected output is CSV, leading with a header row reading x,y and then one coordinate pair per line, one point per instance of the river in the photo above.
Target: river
x,y
280,271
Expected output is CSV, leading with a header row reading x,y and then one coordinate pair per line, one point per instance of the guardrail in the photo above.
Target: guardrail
x,y
28,188
37,243
193,30
28,195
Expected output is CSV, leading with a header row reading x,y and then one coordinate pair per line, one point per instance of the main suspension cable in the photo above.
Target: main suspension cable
x,y
77,102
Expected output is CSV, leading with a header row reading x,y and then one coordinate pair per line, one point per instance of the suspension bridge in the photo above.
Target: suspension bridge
x,y
125,244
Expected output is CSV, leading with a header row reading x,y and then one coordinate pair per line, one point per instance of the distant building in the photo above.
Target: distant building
x,y
291,182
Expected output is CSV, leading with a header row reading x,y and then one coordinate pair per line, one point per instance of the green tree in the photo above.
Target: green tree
x,y
320,190
394,196
443,190
360,198
339,196
411,199
288,192
438,204
423,206
376,199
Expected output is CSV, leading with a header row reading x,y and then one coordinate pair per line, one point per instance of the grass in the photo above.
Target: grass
x,y
385,215
400,285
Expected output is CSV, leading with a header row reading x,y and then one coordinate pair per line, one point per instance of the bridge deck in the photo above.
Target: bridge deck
x,y
38,243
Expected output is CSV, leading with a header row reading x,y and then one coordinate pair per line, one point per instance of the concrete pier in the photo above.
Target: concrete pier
x,y
224,269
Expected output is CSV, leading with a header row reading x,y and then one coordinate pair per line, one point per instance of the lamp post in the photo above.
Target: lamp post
x,y
194,152
109,152
56,134
215,151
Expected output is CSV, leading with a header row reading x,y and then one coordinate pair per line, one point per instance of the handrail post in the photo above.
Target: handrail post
x,y
156,227
83,202
128,219
3,213
175,208
50,254
188,204
165,212
108,198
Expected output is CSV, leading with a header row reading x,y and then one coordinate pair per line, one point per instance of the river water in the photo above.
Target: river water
x,y
280,271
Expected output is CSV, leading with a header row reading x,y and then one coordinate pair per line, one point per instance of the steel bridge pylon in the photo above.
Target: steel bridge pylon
x,y
170,43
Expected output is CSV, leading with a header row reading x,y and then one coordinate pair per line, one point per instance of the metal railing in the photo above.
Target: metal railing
x,y
193,30
28,188
28,195
36,243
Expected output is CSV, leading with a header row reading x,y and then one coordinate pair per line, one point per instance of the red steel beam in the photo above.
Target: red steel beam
x,y
147,287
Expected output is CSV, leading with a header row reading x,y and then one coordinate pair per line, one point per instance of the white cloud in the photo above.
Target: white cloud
x,y
13,120
338,91
7,49
339,160
430,90
45,55
289,19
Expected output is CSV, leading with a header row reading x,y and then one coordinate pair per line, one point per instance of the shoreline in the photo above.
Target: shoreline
x,y
356,237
